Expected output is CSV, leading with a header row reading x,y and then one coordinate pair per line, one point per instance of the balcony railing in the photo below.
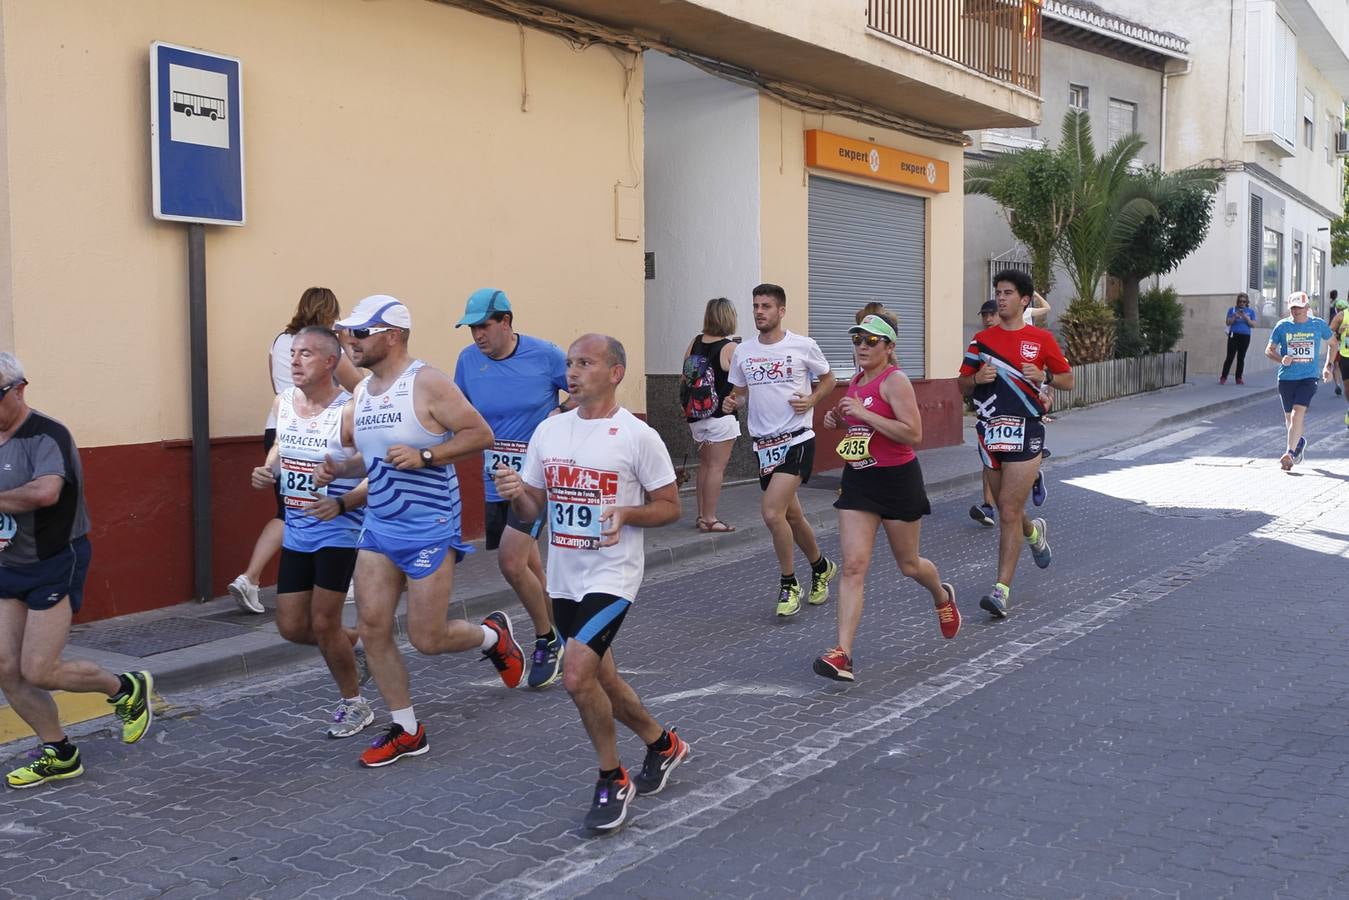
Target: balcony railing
x,y
1000,38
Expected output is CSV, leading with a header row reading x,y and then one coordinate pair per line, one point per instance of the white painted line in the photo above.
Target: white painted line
x,y
588,863
1145,448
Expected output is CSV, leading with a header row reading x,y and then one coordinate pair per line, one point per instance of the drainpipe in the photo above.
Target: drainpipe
x,y
1161,153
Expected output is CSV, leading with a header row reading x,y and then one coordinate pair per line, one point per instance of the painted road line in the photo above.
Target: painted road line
x,y
72,708
1144,449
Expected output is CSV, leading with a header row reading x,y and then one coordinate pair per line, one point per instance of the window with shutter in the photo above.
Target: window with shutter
x,y
1121,121
1254,247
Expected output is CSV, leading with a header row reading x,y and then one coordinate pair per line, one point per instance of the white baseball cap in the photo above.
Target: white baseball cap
x,y
1298,298
378,309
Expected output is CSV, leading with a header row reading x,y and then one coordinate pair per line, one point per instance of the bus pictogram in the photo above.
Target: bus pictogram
x,y
197,105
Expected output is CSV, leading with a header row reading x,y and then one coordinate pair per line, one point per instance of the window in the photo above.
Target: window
x,y
1297,265
1330,138
1077,97
1272,270
1309,120
1271,76
1316,276
1255,250
1121,121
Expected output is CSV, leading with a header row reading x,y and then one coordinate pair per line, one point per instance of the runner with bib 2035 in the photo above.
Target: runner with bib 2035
x,y
1004,370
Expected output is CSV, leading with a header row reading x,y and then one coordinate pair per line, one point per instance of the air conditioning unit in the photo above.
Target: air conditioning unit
x,y
1342,143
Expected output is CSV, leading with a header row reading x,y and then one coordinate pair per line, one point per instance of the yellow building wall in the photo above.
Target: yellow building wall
x,y
386,152
784,230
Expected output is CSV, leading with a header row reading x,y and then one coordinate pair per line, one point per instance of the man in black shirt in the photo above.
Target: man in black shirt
x,y
44,558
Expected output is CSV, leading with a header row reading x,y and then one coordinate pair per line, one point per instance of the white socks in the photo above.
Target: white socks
x,y
406,718
489,638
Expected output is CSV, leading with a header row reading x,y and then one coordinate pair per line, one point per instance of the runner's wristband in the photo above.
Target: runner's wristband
x,y
342,505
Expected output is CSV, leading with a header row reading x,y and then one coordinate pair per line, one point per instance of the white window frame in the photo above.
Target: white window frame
x,y
1117,104
1271,88
1082,92
1309,119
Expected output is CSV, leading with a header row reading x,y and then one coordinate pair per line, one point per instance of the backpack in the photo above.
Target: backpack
x,y
698,383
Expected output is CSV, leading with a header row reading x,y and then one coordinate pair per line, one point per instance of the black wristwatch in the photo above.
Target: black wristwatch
x,y
426,457
1049,377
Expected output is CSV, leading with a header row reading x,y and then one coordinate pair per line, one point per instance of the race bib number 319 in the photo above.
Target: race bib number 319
x,y
577,498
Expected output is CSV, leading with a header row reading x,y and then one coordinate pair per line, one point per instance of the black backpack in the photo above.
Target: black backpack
x,y
698,383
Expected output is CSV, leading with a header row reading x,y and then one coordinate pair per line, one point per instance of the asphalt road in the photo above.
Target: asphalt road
x,y
1163,714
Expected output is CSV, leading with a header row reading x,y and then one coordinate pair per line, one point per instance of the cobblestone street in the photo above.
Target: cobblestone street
x,y
1163,714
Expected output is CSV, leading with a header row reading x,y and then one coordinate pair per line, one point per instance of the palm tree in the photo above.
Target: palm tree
x,y
1033,189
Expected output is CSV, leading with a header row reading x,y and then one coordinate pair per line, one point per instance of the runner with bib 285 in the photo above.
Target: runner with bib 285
x,y
1004,369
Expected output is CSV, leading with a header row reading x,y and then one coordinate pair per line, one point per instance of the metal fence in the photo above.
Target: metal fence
x,y
1096,382
1000,38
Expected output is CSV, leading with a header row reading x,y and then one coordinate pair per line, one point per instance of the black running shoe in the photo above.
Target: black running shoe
x,y
983,514
609,809
657,766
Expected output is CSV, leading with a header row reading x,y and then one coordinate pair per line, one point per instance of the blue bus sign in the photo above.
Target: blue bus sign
x,y
196,135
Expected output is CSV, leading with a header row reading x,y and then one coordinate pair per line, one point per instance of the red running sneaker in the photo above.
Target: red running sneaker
x,y
948,617
657,766
393,745
505,654
835,664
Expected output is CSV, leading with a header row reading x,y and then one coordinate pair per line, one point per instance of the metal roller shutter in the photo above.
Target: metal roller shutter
x,y
866,244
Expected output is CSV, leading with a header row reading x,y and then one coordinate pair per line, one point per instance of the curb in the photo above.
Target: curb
x,y
265,649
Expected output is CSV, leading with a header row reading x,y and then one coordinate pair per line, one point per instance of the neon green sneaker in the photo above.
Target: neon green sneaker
x,y
47,767
819,583
789,599
134,708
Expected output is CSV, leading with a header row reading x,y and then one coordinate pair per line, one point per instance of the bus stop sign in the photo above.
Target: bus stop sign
x,y
196,135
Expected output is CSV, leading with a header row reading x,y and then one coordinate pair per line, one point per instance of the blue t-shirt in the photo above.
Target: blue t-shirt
x,y
1303,343
514,395
1239,323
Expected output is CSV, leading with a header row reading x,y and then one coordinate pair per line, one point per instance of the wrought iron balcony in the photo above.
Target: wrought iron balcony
x,y
998,38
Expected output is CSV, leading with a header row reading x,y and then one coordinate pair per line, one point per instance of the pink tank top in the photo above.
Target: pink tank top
x,y
882,450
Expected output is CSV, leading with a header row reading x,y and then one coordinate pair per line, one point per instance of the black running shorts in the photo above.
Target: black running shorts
x,y
593,620
329,568
799,461
891,492
268,439
500,516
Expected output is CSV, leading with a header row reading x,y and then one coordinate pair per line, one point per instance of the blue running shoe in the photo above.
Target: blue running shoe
x,y
1299,451
1039,550
1038,491
995,602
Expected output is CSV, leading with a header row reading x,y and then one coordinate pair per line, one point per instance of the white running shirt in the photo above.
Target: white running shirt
x,y
278,360
588,466
773,373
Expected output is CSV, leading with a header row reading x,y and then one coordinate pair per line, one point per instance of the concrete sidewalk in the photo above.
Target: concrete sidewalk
x,y
193,644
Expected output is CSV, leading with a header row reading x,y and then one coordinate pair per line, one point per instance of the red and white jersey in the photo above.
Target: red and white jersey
x,y
1011,393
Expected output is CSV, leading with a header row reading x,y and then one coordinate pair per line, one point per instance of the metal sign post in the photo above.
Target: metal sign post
x,y
197,162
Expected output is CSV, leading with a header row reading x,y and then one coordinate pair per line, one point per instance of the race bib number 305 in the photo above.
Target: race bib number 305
x,y
297,482
1005,434
771,452
510,454
1302,351
9,526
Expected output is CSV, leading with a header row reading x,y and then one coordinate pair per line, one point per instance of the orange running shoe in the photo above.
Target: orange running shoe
x,y
505,654
834,664
948,617
658,765
393,745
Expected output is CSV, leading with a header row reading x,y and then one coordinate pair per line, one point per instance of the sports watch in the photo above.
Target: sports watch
x,y
426,457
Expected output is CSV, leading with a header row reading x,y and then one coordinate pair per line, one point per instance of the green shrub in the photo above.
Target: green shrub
x,y
1162,317
1129,340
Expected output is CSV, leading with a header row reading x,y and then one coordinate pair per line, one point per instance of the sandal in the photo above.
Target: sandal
x,y
700,523
715,526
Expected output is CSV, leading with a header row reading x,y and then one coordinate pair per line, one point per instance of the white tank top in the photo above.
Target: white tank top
x,y
278,360
302,443
413,506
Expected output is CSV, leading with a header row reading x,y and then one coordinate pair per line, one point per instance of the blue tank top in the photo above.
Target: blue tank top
x,y
302,444
413,506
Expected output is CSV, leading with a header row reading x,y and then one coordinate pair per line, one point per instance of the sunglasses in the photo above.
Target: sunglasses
x,y
361,334
870,340
4,391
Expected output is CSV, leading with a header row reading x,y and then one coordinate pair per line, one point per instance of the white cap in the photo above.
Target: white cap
x,y
1298,298
378,309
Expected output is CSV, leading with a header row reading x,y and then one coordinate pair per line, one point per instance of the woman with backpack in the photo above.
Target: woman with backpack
x,y
709,406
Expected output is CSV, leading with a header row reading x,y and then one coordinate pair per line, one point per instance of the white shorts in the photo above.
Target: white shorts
x,y
715,429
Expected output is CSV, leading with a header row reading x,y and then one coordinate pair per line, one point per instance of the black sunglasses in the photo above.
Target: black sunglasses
x,y
361,334
4,391
870,340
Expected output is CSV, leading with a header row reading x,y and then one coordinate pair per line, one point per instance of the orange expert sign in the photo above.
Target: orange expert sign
x,y
825,150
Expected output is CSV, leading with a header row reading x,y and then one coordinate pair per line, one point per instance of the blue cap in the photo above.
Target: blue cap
x,y
482,303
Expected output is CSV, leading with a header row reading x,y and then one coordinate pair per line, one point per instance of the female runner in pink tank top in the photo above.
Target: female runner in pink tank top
x,y
882,486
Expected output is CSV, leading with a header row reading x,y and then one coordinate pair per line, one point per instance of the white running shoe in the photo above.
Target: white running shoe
x,y
245,593
351,718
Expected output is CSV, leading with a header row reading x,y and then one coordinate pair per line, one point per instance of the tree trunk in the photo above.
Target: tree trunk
x,y
1129,298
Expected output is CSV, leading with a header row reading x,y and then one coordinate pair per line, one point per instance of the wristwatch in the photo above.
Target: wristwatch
x,y
426,457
